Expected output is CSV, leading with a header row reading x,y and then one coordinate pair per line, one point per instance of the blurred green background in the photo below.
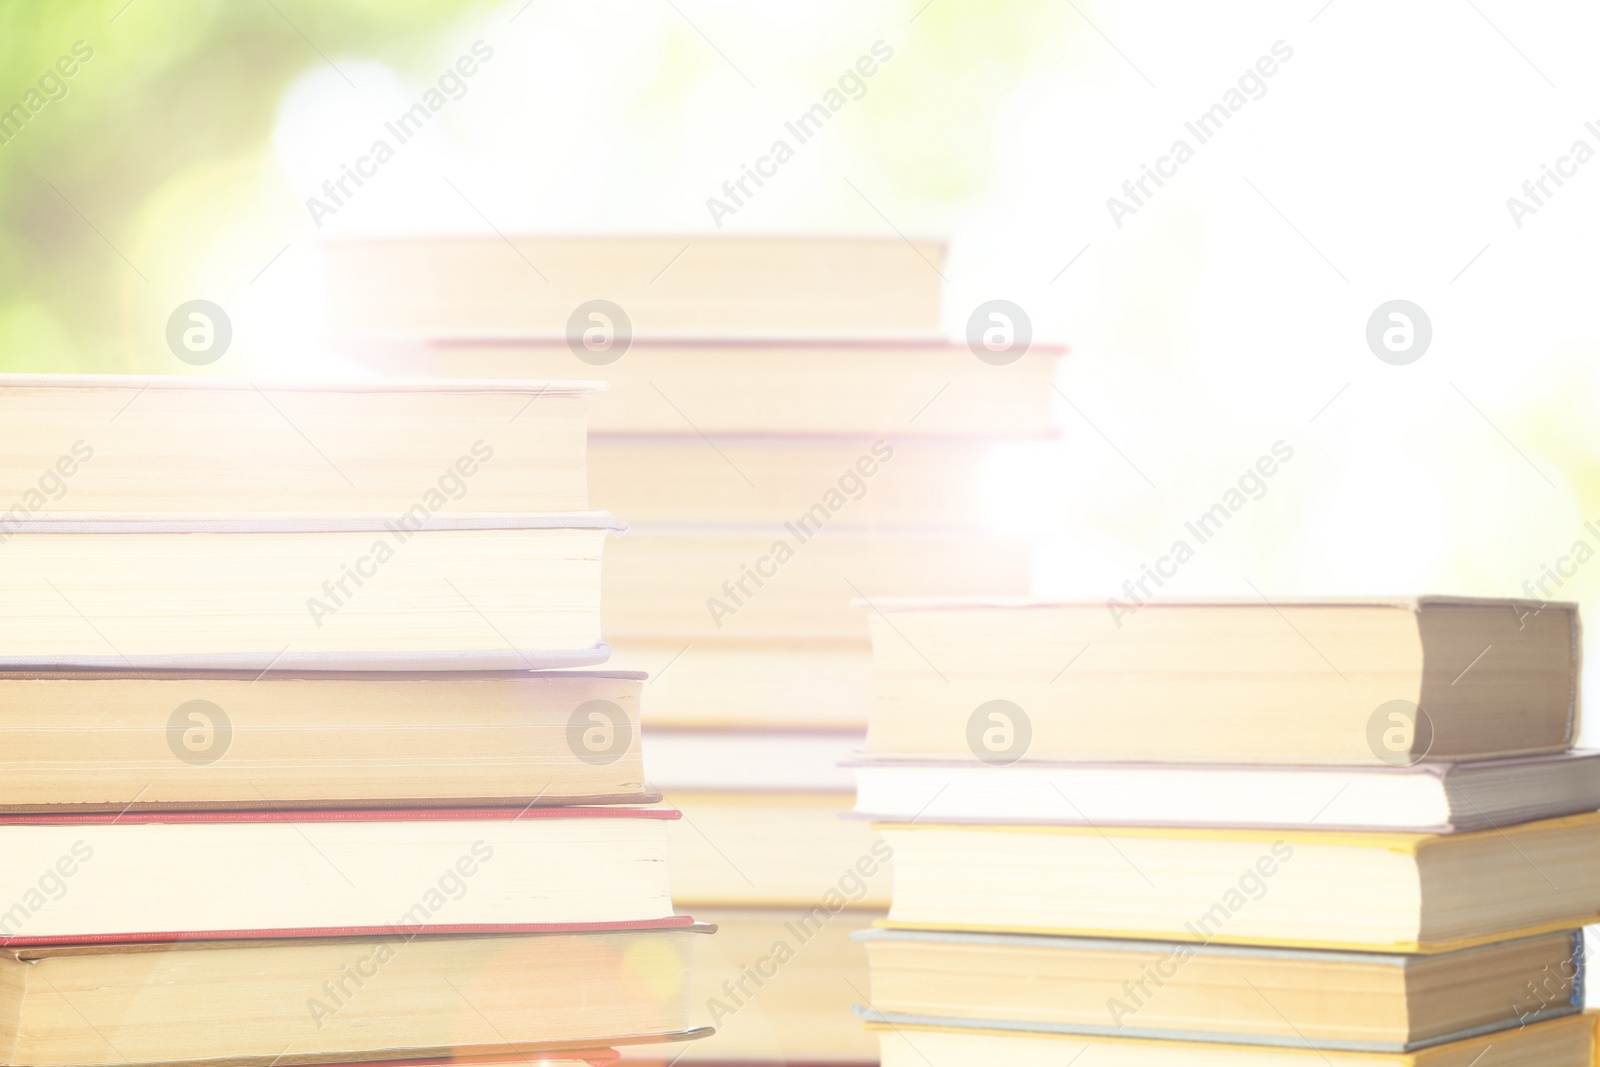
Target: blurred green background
x,y
103,188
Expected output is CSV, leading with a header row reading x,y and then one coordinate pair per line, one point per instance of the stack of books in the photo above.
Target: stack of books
x,y
1251,833
786,429
285,773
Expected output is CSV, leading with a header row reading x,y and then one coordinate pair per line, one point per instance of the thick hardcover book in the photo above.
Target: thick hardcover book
x,y
124,741
1386,892
1424,797
1348,1001
1564,1042
598,290
249,592
194,876
472,1001
1357,681
74,443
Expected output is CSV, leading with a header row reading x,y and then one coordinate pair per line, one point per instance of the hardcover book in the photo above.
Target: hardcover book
x,y
469,1000
318,593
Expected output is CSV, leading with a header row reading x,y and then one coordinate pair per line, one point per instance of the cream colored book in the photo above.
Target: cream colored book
x,y
1351,1001
298,592
790,582
752,760
1568,1042
782,684
253,1003
775,849
1428,797
493,286
778,986
146,445
898,389
200,876
1292,681
1385,892
124,741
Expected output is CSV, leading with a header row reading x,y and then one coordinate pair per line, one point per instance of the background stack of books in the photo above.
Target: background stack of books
x,y
786,430
1264,834
282,772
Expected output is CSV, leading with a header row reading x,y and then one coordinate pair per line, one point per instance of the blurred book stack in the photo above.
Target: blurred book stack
x,y
786,430
285,775
1250,833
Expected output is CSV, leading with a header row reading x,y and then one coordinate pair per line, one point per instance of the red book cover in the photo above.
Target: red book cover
x,y
595,1057
336,815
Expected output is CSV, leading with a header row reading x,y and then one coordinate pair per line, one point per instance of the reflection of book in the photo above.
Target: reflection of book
x,y
1334,1000
106,740
1567,1042
473,1000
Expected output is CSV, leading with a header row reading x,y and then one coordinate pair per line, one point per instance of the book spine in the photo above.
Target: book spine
x,y
1579,966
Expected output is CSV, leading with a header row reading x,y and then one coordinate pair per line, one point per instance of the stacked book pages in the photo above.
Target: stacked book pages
x,y
1246,833
786,429
286,775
